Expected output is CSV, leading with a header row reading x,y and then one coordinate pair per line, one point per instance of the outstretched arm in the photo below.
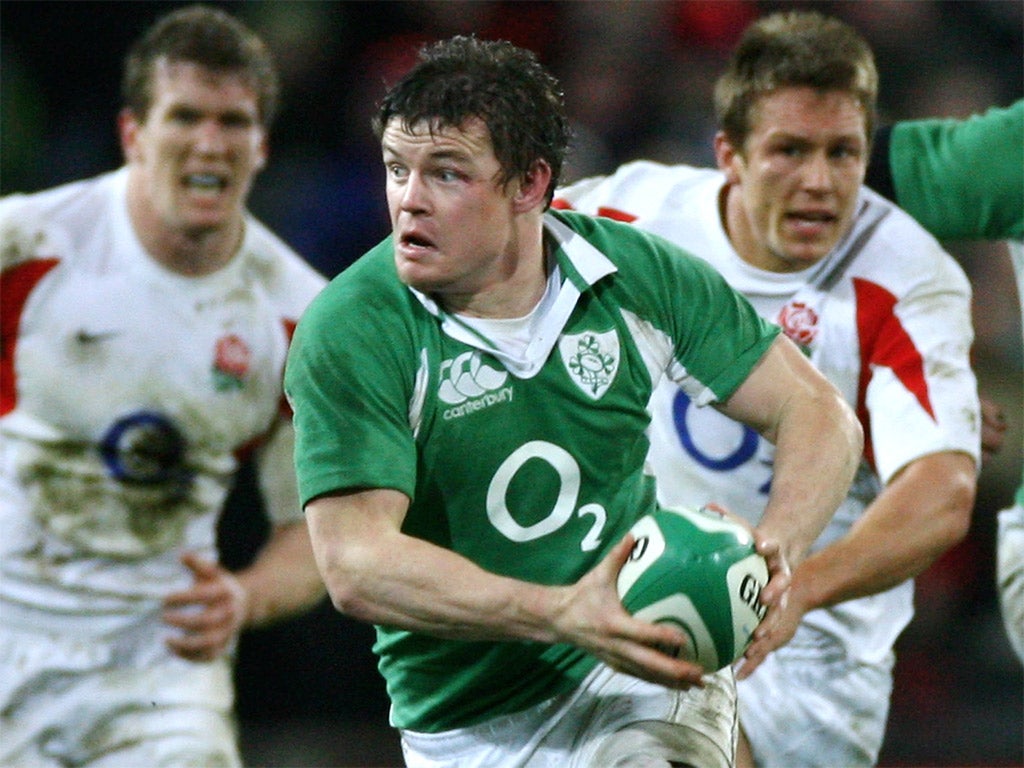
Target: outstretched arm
x,y
818,444
376,573
924,511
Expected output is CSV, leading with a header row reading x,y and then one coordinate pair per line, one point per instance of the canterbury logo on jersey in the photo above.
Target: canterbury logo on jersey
x,y
470,385
592,360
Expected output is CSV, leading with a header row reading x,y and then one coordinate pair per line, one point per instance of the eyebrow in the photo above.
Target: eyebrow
x,y
453,155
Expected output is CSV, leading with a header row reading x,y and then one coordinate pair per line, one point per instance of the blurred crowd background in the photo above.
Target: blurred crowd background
x,y
638,76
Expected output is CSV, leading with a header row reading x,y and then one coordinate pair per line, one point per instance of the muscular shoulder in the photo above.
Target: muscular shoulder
x,y
366,298
637,190
890,246
54,222
287,277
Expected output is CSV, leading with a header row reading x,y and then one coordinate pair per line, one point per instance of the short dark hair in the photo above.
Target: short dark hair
x,y
794,48
206,36
505,86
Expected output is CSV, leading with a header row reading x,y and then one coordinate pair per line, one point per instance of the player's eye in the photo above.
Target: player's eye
x,y
184,116
237,120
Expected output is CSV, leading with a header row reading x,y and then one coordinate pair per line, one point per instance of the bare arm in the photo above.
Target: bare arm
x,y
924,511
378,574
281,581
818,444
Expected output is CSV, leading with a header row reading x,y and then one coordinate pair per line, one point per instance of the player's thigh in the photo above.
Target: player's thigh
x,y
166,737
648,726
174,713
796,710
1010,573
66,702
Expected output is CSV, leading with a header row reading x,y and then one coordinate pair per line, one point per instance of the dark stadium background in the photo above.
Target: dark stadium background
x,y
638,80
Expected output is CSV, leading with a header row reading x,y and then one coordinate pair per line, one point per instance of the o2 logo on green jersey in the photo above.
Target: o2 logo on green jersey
x,y
564,508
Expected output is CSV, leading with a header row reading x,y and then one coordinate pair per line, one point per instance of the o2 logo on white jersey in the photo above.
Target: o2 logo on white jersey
x,y
145,448
739,443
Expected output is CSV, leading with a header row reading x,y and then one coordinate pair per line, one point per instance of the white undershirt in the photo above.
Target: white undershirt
x,y
512,335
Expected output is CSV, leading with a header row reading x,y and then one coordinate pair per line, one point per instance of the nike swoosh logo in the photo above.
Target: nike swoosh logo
x,y
85,336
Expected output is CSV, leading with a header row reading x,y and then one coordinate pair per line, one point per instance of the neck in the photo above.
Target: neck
x,y
737,227
516,289
188,252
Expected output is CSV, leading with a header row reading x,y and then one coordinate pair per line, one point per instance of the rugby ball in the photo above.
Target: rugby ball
x,y
699,570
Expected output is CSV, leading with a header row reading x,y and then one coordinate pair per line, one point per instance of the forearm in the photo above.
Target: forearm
x,y
283,579
818,447
383,576
919,516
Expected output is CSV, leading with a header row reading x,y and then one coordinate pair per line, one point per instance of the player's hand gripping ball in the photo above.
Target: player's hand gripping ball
x,y
699,570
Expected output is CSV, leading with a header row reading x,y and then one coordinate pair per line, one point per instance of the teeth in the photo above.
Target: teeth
x,y
205,181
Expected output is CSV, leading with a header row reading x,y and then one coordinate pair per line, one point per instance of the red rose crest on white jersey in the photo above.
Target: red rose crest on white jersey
x,y
231,362
800,323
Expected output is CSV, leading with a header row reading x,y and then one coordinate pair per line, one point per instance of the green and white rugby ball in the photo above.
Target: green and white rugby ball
x,y
699,570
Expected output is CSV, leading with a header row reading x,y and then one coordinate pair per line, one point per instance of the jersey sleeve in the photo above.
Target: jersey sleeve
x,y
349,386
23,235
962,179
720,335
922,394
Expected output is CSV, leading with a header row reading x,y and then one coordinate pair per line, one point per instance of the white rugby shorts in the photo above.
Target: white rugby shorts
x,y
805,707
1010,574
610,719
76,697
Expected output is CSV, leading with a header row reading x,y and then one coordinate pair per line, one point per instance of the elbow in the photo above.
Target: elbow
x,y
345,595
962,491
953,516
850,426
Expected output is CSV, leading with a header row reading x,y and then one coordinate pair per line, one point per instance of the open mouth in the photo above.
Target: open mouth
x,y
207,184
812,217
810,222
414,240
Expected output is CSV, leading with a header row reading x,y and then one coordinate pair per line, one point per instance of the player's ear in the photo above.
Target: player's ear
x,y
533,187
262,152
128,127
728,157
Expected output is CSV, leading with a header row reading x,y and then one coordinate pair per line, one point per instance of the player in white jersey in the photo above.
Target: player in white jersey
x,y
470,400
963,179
145,322
879,308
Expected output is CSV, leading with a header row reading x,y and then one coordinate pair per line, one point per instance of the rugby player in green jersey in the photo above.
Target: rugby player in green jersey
x,y
470,401
963,179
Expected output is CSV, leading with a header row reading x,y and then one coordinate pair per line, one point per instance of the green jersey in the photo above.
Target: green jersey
x,y
962,179
529,461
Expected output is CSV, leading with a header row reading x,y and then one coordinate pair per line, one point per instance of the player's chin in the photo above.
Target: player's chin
x,y
421,276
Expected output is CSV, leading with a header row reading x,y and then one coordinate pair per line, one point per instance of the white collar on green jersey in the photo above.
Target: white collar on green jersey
x,y
583,265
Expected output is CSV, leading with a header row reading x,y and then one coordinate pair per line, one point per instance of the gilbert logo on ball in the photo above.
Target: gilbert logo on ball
x,y
700,571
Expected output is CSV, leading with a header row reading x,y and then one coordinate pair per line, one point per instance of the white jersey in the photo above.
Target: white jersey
x,y
885,317
129,396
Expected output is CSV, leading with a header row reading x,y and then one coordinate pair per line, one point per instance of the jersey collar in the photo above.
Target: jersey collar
x,y
580,262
